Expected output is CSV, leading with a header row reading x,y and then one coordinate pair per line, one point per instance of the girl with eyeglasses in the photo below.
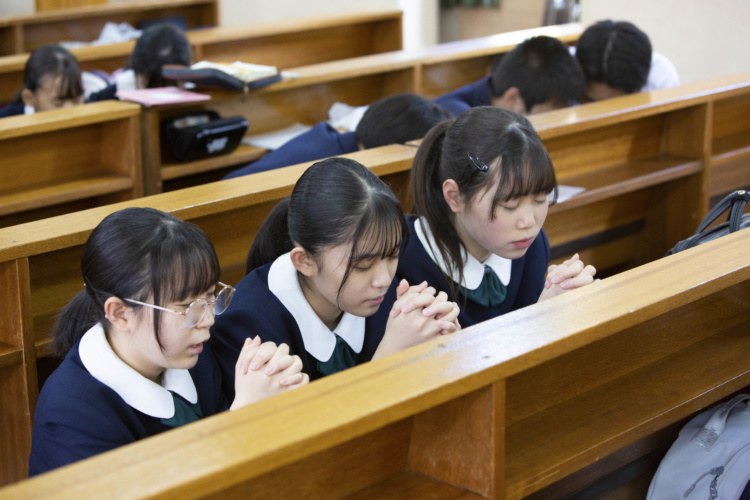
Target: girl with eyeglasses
x,y
136,359
482,184
321,277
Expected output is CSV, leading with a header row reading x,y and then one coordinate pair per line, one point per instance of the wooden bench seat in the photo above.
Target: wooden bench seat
x,y
356,81
284,44
500,410
27,32
68,159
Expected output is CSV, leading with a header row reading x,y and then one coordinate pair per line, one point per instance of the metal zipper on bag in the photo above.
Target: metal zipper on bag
x,y
717,472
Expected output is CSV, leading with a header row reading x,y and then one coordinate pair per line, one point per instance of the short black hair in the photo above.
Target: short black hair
x,y
542,69
615,53
160,44
398,119
54,60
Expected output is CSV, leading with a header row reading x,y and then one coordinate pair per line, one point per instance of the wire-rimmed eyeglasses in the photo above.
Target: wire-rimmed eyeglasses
x,y
197,309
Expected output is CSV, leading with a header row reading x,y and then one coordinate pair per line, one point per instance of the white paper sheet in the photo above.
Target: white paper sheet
x,y
274,140
344,117
564,193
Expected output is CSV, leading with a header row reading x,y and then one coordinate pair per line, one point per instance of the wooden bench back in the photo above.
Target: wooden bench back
x,y
284,44
500,410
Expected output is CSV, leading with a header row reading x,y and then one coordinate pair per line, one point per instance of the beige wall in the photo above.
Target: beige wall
x,y
460,23
252,11
703,38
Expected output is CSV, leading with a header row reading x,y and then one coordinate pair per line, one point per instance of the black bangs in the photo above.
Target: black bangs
x,y
70,83
187,262
382,233
528,171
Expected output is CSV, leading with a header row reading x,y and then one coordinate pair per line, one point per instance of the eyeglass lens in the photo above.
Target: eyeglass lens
x,y
197,309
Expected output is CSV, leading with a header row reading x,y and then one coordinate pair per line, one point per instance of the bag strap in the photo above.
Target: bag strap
x,y
721,207
707,435
738,206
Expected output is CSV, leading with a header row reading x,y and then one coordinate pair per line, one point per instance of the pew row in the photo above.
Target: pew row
x,y
499,410
41,259
69,159
285,44
431,71
27,32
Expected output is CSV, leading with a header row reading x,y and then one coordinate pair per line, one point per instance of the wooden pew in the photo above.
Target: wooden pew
x,y
27,32
500,410
643,168
68,159
430,71
285,44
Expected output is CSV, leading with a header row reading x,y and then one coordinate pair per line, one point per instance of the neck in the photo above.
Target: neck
x,y
328,313
129,354
470,244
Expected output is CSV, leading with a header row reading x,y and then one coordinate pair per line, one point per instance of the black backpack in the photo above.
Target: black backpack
x,y
735,202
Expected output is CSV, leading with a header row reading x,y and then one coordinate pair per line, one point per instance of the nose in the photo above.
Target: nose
x,y
525,218
209,316
382,277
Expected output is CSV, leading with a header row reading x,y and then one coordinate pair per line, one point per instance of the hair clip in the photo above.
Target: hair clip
x,y
481,166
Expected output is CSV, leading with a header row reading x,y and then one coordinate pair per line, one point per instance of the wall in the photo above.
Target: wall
x,y
704,39
244,11
460,23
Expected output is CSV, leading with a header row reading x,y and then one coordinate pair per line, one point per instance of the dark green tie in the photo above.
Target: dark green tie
x,y
184,412
343,357
491,291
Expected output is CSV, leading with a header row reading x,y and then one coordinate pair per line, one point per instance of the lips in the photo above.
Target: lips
x,y
523,243
376,301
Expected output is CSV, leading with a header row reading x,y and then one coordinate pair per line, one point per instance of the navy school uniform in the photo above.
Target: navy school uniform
x,y
524,277
269,302
94,402
106,94
12,110
321,141
469,96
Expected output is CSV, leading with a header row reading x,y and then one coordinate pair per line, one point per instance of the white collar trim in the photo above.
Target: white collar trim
x,y
139,392
319,340
473,269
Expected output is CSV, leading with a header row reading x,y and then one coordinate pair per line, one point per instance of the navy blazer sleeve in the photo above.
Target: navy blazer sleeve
x,y
12,110
321,141
468,96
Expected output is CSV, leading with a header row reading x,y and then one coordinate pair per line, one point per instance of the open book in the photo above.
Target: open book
x,y
234,76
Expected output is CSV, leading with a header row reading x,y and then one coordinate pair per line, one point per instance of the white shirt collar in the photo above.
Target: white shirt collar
x,y
28,110
473,269
125,80
136,390
319,340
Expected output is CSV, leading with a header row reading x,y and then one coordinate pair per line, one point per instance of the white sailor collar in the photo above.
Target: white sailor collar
x,y
136,390
319,340
473,269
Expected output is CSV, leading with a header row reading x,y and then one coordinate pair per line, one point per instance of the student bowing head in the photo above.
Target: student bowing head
x,y
483,184
51,80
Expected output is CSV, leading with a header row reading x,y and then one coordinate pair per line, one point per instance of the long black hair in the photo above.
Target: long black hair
x,y
486,148
141,254
336,201
52,61
160,44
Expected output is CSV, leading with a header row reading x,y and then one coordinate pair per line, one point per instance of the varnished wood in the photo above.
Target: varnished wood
x,y
228,450
42,5
18,383
284,44
462,442
66,155
85,23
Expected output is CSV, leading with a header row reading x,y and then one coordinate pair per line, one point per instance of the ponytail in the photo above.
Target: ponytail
x,y
516,161
75,319
272,239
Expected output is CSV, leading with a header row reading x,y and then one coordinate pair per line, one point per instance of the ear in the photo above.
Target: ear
x,y
513,101
27,97
452,196
119,314
303,261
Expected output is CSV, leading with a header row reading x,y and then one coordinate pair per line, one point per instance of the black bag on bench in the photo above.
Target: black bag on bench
x,y
735,202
